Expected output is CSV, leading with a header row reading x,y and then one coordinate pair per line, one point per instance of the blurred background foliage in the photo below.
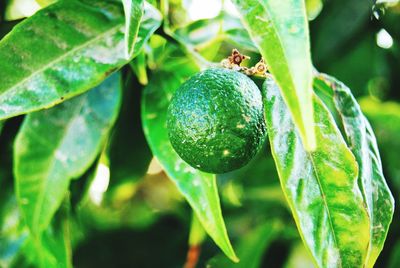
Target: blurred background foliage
x,y
125,212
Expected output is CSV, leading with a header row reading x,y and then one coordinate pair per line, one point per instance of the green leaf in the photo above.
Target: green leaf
x,y
321,186
197,233
59,144
208,32
19,9
199,188
6,27
313,8
57,239
139,68
362,141
280,31
45,3
62,51
133,14
385,118
53,249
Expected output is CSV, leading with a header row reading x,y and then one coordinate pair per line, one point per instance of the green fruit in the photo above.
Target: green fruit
x,y
216,120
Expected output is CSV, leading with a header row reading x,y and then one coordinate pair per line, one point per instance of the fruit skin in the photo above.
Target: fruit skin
x,y
216,120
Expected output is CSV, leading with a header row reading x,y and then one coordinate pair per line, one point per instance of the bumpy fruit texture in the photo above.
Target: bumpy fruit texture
x,y
215,120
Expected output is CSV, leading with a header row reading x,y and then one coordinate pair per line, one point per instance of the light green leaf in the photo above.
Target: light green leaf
x,y
362,141
45,3
321,186
313,8
62,51
59,144
280,31
57,239
392,2
207,33
19,9
199,188
197,233
133,14
53,247
139,66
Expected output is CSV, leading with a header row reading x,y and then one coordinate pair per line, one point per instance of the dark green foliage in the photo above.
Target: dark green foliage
x,y
89,176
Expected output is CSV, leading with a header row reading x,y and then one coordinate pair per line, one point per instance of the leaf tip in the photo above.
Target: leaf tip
x,y
235,259
230,253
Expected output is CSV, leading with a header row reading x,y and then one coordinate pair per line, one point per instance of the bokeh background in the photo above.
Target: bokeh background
x,y
134,217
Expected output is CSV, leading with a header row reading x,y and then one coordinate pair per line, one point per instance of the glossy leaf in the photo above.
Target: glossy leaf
x,y
53,248
197,233
362,141
62,51
321,186
207,32
313,8
59,144
280,31
199,188
6,27
19,9
44,3
133,14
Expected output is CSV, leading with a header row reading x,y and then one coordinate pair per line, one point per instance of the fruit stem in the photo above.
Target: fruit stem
x,y
236,58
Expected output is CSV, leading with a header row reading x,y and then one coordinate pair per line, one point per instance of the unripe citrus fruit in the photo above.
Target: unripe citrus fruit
x,y
216,121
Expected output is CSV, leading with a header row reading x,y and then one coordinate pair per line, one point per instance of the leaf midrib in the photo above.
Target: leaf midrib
x,y
53,62
39,205
281,46
315,171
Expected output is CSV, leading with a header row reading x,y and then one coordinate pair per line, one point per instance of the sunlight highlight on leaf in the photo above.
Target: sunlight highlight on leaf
x,y
199,188
56,145
280,31
321,186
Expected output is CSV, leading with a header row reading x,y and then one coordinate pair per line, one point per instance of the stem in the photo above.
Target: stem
x,y
192,257
196,237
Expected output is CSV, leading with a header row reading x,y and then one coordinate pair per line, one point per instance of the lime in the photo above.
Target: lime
x,y
216,120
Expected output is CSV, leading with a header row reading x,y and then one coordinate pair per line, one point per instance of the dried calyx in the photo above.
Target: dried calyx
x,y
236,58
